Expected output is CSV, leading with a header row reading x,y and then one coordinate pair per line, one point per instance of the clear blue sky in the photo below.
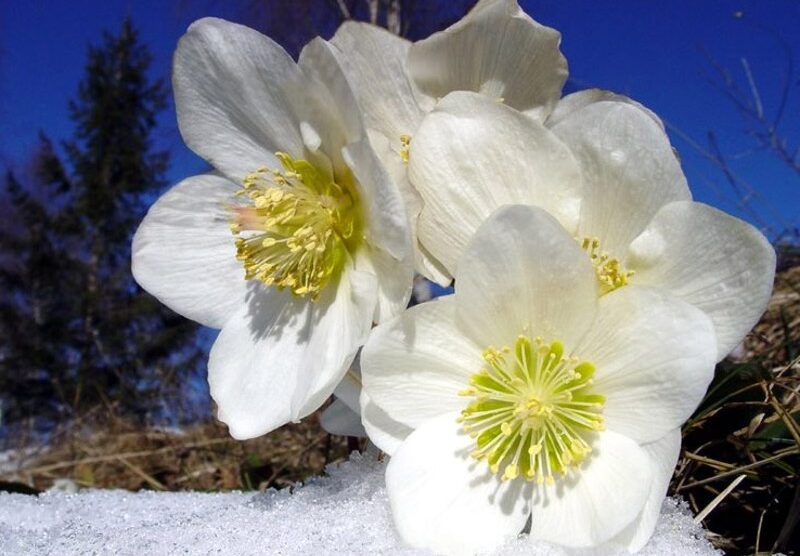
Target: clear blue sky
x,y
647,49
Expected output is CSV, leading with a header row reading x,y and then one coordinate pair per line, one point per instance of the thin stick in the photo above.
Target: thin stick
x,y
719,498
742,468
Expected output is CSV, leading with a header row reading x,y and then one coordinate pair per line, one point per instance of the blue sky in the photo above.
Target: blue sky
x,y
647,49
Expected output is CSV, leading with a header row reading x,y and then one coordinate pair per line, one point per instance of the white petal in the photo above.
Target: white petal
x,y
280,357
386,223
414,366
473,155
663,455
573,102
523,274
608,493
235,92
386,433
340,419
424,262
374,61
330,107
184,252
496,50
714,261
629,171
443,500
395,280
654,356
349,389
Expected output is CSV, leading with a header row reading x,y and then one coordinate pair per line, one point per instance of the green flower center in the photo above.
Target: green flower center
x,y
610,272
533,413
297,227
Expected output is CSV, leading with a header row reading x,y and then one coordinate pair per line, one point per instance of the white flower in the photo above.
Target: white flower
x,y
298,241
496,50
604,167
527,394
343,416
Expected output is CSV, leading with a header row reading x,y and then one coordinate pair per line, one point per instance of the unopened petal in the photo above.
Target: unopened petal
x,y
340,419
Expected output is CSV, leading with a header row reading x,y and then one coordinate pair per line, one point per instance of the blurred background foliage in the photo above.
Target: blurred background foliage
x,y
101,386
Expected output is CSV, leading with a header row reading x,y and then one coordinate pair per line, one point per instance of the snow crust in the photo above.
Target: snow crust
x,y
346,512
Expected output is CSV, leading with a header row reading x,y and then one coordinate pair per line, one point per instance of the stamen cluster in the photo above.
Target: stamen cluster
x,y
609,269
297,226
533,411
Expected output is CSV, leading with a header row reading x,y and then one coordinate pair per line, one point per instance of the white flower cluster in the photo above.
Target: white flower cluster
x,y
592,298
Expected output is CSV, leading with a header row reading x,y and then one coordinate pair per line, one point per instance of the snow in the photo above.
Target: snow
x,y
344,513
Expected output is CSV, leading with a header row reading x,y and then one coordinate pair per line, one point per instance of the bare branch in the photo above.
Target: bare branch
x,y
753,89
343,9
372,7
393,23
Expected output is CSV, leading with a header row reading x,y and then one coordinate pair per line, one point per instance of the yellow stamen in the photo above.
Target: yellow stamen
x,y
610,273
533,412
296,227
405,146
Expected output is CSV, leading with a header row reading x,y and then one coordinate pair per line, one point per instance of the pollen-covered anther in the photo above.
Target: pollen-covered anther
x,y
294,226
405,147
533,413
609,270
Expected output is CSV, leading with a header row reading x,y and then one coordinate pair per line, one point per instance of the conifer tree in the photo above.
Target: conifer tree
x,y
133,350
120,348
37,283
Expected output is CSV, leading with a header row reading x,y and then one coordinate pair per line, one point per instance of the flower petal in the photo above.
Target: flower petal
x,y
629,170
349,389
608,493
340,419
374,61
424,263
446,502
387,225
654,356
184,253
280,357
414,366
395,281
523,274
663,455
329,110
386,433
482,53
712,260
234,92
472,155
578,100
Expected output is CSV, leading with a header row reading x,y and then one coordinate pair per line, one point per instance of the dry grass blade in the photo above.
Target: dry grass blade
x,y
749,426
719,498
